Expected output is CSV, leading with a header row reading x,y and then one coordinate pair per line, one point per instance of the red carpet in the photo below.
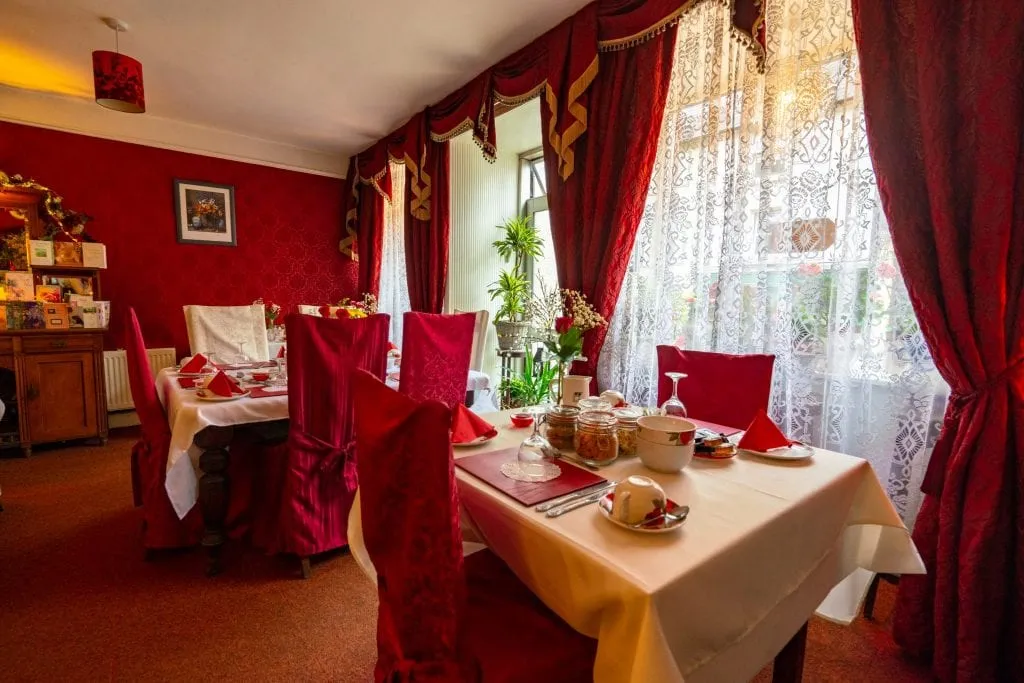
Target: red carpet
x,y
78,603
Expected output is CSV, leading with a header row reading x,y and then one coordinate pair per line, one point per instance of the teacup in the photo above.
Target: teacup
x,y
520,420
260,376
635,498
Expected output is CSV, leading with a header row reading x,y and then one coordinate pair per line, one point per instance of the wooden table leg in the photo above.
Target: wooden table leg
x,y
789,663
213,490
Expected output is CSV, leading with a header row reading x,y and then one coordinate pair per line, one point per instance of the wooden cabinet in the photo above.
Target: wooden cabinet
x,y
59,379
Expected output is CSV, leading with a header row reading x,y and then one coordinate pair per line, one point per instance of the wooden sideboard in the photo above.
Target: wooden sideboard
x,y
59,393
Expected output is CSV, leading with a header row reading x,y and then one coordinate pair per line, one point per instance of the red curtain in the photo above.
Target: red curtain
x,y
364,225
596,211
426,241
945,120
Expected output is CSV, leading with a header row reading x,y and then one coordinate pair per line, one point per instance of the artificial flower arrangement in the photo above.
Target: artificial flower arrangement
x,y
350,309
207,207
578,317
271,311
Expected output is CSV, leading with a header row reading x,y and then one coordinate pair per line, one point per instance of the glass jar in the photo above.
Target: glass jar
x,y
628,430
560,426
597,440
594,403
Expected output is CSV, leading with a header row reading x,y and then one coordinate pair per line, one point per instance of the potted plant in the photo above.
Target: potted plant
x,y
512,287
577,317
532,386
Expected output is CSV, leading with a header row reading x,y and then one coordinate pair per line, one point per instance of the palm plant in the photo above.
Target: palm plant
x,y
533,385
513,287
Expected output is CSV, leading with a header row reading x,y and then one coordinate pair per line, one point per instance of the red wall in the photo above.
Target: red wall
x,y
288,226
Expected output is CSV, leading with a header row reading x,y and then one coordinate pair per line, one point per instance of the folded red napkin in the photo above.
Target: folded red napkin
x,y
186,382
222,385
264,392
197,364
280,352
468,426
762,435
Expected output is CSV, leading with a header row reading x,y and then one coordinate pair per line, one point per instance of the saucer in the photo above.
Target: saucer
x,y
797,451
605,506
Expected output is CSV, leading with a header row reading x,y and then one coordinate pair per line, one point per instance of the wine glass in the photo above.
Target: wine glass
x,y
673,406
535,453
242,358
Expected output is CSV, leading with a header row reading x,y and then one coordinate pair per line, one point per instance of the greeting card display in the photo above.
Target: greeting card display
x,y
48,293
55,316
67,253
94,255
19,286
41,252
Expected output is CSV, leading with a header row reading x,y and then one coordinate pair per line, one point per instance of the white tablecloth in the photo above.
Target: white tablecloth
x,y
764,545
187,416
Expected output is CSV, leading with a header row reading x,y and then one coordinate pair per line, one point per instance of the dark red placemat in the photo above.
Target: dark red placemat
x,y
487,466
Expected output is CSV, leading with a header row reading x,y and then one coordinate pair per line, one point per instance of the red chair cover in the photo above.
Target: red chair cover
x,y
435,621
723,388
162,528
309,482
435,356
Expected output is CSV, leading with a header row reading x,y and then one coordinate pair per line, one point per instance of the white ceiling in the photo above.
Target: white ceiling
x,y
325,75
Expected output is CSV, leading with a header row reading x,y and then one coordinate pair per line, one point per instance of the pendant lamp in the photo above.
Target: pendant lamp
x,y
117,78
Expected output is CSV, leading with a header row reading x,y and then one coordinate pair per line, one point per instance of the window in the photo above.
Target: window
x,y
533,190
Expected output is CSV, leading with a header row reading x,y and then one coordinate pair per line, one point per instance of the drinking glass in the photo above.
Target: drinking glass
x,y
673,406
535,454
242,358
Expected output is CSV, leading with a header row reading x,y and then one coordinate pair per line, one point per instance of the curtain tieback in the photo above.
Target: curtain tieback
x,y
331,456
935,475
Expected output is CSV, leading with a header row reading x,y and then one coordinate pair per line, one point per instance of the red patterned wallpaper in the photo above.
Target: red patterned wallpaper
x,y
288,227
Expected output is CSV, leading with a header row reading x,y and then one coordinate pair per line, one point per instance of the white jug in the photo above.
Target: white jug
x,y
574,388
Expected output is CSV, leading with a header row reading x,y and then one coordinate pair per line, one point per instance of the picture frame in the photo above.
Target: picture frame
x,y
205,213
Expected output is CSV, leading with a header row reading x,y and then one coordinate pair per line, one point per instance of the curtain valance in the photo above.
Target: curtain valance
x,y
561,64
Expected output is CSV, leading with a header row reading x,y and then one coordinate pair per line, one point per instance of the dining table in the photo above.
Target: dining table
x,y
767,543
201,432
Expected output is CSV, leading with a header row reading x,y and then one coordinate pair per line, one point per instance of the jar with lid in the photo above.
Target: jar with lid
x,y
627,429
594,403
597,441
560,426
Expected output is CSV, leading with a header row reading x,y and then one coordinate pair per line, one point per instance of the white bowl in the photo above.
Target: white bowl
x,y
666,430
662,458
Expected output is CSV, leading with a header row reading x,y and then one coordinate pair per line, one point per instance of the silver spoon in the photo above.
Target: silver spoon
x,y
678,515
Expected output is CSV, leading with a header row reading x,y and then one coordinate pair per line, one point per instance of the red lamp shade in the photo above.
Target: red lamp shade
x,y
118,82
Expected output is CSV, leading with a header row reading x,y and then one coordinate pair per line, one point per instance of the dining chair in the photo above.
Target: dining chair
x,y
161,526
220,330
724,388
306,484
443,617
436,351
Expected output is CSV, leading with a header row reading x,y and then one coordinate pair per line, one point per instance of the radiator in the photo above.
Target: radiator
x,y
115,372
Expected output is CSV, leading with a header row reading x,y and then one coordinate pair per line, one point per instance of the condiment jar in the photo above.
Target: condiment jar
x,y
597,440
628,430
560,426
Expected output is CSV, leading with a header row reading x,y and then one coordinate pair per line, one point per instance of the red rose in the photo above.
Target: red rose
x,y
343,314
325,311
563,324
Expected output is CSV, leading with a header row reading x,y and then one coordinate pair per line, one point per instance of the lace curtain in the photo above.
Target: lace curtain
x,y
394,288
763,232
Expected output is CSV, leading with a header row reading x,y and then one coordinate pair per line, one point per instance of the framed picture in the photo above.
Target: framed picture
x,y
205,213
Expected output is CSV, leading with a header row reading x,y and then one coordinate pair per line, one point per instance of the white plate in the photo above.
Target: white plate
x,y
605,506
195,374
797,451
475,442
215,398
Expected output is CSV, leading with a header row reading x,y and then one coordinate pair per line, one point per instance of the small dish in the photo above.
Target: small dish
x,y
260,376
480,440
660,527
521,420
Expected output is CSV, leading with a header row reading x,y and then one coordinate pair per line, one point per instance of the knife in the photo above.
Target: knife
x,y
544,507
575,504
